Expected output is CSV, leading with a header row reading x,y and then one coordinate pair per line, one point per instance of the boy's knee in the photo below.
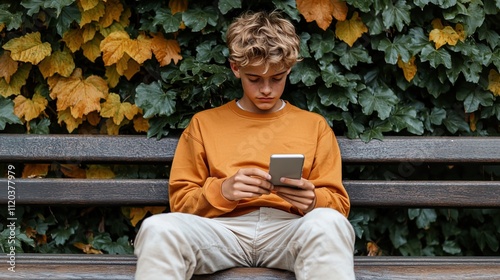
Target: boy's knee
x,y
328,220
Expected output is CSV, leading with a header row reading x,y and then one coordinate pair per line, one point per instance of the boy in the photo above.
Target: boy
x,y
224,211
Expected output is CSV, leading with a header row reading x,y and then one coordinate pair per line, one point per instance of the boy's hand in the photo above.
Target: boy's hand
x,y
246,183
303,197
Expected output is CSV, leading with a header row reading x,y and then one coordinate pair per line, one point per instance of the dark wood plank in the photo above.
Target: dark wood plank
x,y
55,266
155,192
70,148
103,148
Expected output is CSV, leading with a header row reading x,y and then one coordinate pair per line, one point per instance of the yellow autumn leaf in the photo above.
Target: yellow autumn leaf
x,y
91,48
114,108
71,122
322,11
93,14
8,66
138,213
437,24
29,108
2,26
460,31
110,128
35,170
494,82
113,47
28,48
139,49
88,4
114,10
88,33
17,81
60,62
81,95
99,172
350,30
472,121
141,124
165,50
178,6
409,68
87,248
133,67
444,36
112,76
73,39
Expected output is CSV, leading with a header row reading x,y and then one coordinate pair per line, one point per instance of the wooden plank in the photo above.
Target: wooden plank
x,y
70,266
128,148
70,148
155,192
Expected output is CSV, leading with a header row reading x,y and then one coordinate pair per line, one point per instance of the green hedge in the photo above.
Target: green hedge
x,y
371,68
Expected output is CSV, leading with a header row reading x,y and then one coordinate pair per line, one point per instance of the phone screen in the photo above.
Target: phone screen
x,y
285,165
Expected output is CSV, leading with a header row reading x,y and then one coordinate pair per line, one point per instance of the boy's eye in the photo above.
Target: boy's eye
x,y
277,79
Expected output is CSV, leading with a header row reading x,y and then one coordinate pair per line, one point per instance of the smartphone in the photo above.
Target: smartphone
x,y
285,165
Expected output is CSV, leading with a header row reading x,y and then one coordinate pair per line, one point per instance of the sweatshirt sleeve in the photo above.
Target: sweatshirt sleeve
x,y
326,174
191,190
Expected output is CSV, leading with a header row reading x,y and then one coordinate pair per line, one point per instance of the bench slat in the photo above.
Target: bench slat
x,y
127,148
73,266
155,192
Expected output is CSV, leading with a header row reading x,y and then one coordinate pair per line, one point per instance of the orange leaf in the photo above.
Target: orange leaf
x,y
165,50
17,81
139,49
93,14
73,171
133,67
137,214
100,172
8,66
177,6
91,49
340,9
88,32
444,36
35,170
409,68
114,10
141,124
81,95
86,248
66,117
73,39
117,110
29,108
472,122
93,118
28,48
88,4
494,82
350,30
113,47
373,249
320,11
58,62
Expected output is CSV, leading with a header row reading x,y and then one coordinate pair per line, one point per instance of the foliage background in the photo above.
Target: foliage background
x,y
371,68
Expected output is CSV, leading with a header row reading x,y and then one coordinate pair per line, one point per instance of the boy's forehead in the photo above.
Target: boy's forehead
x,y
263,70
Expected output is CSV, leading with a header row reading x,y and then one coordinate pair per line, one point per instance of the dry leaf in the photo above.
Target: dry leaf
x,y
114,108
322,11
409,68
28,48
29,108
8,66
35,170
494,82
60,62
100,172
17,81
350,30
165,50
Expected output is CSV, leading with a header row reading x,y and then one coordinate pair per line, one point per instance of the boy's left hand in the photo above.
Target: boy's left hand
x,y
303,197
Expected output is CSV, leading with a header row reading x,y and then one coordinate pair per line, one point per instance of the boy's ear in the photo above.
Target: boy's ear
x,y
235,68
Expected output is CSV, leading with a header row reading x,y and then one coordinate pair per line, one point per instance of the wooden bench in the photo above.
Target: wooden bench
x,y
363,193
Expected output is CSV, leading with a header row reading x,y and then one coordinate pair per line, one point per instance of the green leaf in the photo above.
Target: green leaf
x,y
154,101
406,117
68,15
473,96
394,50
451,247
424,217
58,5
305,71
197,18
7,115
455,122
331,74
63,233
40,126
320,44
350,57
11,21
289,7
396,14
33,6
208,50
436,57
227,5
437,116
339,97
169,22
398,234
380,99
354,125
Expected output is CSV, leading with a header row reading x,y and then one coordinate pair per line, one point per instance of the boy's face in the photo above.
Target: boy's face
x,y
261,91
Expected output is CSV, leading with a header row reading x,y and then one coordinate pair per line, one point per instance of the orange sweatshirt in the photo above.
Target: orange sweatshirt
x,y
220,141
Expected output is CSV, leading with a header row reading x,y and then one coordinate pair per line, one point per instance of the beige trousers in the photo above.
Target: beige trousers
x,y
175,246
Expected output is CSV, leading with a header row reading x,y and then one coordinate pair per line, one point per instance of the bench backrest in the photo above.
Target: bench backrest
x,y
405,151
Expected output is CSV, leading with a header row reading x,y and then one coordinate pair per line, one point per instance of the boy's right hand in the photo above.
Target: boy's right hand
x,y
246,183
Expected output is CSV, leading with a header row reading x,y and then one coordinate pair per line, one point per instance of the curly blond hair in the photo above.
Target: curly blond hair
x,y
262,38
